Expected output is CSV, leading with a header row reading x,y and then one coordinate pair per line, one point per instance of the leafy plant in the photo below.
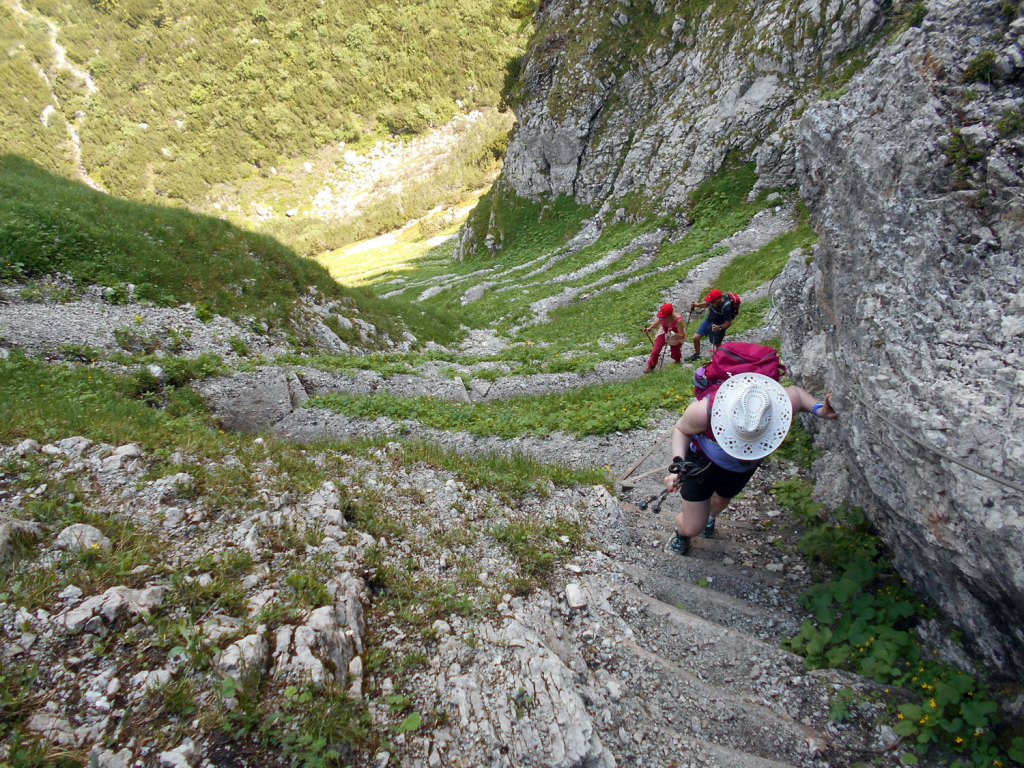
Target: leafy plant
x,y
863,619
798,496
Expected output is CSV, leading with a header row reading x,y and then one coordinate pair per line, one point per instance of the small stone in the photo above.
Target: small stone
x,y
574,596
105,758
82,537
70,593
442,628
26,447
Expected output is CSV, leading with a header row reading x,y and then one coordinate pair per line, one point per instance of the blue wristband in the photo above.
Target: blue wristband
x,y
816,407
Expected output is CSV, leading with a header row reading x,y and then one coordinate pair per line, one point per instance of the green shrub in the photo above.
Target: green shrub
x,y
863,619
981,69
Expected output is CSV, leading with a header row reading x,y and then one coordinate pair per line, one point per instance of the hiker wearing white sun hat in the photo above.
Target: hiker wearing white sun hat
x,y
719,443
750,416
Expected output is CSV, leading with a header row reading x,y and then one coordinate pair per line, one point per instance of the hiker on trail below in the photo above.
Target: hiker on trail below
x,y
673,331
719,442
722,310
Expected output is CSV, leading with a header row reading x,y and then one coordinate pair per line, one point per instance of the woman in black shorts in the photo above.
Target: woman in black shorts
x,y
723,439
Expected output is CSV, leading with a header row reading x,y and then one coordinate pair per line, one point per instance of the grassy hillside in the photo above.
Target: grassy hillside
x,y
49,225
170,97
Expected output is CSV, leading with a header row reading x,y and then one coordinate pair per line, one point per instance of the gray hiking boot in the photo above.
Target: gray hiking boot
x,y
709,529
679,544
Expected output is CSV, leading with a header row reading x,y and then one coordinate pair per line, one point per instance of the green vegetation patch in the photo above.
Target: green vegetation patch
x,y
981,68
594,410
408,202
49,225
864,616
521,228
512,475
48,402
537,548
188,95
746,272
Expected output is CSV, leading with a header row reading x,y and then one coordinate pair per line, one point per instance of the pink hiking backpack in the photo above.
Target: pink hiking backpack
x,y
736,357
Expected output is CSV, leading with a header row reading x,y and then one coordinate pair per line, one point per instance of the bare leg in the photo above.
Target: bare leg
x,y
696,344
691,521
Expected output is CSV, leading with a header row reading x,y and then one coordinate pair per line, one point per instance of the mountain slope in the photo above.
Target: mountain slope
x,y
168,98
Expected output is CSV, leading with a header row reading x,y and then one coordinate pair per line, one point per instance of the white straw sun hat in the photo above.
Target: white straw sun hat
x,y
751,416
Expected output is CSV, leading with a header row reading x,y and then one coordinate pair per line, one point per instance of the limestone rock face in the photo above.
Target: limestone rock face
x,y
251,401
651,100
914,179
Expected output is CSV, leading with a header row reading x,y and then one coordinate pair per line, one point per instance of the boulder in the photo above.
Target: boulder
x,y
251,401
80,536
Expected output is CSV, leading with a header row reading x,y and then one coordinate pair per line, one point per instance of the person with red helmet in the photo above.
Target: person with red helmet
x,y
722,310
673,332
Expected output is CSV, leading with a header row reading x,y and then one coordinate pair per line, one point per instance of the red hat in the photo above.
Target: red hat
x,y
665,311
713,295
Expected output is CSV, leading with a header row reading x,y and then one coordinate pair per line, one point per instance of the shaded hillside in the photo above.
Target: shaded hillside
x,y
124,251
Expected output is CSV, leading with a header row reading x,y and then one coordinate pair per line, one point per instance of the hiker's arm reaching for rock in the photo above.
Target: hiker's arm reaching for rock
x,y
804,402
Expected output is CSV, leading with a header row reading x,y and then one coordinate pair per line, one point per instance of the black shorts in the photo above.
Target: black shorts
x,y
713,479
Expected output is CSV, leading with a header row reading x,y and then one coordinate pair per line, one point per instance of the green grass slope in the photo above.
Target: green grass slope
x,y
49,226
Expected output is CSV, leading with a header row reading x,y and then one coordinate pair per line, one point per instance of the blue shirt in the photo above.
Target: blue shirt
x,y
719,457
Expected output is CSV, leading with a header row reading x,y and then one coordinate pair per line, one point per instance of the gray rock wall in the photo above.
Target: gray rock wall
x,y
914,178
649,98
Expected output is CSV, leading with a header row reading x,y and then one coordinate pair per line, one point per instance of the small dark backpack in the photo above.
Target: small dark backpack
x,y
736,357
736,301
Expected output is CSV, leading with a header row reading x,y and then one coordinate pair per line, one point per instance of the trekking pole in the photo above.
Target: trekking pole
x,y
655,501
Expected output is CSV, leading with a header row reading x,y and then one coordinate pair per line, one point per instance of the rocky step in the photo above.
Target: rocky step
x,y
750,584
571,687
745,669
710,695
769,625
708,717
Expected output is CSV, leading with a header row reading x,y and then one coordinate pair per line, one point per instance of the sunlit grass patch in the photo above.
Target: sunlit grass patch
x,y
514,474
368,262
594,410
49,401
750,270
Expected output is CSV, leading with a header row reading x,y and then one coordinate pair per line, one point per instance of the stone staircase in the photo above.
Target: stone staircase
x,y
708,681
662,660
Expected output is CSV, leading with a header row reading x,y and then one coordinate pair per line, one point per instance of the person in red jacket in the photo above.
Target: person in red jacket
x,y
673,332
